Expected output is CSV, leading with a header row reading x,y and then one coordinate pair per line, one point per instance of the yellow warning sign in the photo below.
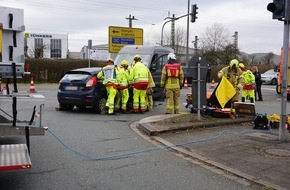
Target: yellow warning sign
x,y
121,36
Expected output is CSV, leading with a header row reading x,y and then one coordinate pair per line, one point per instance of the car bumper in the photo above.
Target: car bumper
x,y
74,99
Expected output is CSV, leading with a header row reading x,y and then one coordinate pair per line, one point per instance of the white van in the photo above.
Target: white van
x,y
155,56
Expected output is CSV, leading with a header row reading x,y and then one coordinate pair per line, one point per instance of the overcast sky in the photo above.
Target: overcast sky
x,y
90,19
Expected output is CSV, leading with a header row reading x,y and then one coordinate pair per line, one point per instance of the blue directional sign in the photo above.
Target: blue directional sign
x,y
123,41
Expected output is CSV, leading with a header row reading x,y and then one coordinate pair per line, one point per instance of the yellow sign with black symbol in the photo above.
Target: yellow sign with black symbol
x,y
26,35
121,36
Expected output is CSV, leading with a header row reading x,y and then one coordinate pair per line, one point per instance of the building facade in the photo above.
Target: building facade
x,y
97,52
40,45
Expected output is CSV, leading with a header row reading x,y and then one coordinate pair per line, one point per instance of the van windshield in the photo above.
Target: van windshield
x,y
129,57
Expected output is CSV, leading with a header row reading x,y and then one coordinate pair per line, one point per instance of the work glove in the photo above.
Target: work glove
x,y
220,75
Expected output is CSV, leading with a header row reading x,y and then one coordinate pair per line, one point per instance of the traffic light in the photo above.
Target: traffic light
x,y
277,8
194,12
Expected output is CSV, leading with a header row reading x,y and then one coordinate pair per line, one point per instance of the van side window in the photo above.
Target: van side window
x,y
159,62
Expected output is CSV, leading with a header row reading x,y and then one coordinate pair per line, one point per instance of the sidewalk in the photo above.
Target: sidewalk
x,y
228,144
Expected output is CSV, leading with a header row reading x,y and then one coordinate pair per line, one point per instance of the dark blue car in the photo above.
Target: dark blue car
x,y
82,88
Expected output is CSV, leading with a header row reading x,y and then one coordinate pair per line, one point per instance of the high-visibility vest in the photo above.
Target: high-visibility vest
x,y
173,70
109,75
122,78
139,76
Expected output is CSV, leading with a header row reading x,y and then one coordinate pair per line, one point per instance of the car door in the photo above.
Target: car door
x,y
156,70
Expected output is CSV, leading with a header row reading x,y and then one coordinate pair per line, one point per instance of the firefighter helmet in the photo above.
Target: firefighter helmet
x,y
234,63
124,63
241,65
110,60
137,57
171,56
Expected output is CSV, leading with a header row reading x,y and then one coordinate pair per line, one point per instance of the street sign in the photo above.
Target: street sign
x,y
120,36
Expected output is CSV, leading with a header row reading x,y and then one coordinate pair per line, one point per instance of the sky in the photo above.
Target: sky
x,y
82,20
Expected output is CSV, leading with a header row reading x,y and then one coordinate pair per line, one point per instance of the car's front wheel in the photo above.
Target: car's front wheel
x,y
101,104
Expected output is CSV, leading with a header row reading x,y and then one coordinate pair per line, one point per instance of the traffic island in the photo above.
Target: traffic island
x,y
160,124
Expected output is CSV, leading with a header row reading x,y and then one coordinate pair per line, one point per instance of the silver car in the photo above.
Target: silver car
x,y
270,77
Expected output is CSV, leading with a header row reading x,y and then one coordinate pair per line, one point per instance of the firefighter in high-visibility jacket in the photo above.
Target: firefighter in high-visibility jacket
x,y
249,84
149,91
139,80
235,76
123,81
172,79
109,75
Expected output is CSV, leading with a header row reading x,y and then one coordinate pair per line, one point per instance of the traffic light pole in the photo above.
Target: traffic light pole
x,y
285,73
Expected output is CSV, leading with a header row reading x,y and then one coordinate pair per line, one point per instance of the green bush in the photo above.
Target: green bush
x,y
51,71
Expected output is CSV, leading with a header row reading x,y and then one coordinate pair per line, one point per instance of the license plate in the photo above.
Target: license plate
x,y
71,87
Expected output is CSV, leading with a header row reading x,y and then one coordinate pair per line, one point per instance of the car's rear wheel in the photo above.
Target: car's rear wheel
x,y
66,107
101,104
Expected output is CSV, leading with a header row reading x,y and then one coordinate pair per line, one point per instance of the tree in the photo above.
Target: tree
x,y
268,58
215,38
36,52
216,45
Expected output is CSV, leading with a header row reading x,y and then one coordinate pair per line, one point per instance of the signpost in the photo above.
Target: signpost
x,y
120,36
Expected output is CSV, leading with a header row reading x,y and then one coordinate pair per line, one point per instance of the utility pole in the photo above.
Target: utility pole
x,y
173,31
172,38
130,20
236,40
187,34
89,51
284,84
236,37
195,44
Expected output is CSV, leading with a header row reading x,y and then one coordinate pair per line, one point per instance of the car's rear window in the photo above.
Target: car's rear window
x,y
76,76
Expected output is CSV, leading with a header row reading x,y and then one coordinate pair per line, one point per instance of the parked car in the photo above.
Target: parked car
x,y
270,77
82,88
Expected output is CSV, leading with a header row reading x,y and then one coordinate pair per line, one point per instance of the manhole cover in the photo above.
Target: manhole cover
x,y
278,152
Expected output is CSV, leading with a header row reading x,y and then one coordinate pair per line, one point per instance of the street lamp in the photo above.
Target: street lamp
x,y
162,31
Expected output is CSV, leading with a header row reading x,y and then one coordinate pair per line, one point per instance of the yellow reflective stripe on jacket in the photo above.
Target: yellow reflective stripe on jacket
x,y
122,77
139,73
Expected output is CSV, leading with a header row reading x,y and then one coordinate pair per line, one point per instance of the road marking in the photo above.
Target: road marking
x,y
269,89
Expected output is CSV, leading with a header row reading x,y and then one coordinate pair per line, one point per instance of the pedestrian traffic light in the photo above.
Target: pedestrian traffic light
x,y
277,8
194,12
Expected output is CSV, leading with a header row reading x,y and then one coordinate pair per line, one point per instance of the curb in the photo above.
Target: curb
x,y
160,124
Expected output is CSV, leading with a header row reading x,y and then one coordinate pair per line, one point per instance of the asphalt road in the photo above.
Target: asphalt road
x,y
85,150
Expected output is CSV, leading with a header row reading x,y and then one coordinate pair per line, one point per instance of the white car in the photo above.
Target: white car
x,y
270,77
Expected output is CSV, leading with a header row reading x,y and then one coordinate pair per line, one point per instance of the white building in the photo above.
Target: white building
x,y
40,45
98,52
